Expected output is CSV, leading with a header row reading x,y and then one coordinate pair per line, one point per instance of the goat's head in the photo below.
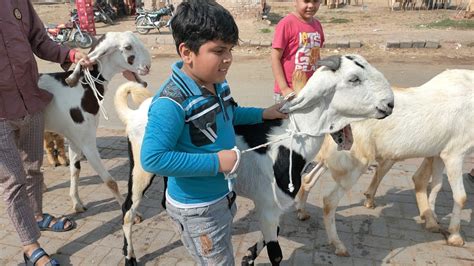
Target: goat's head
x,y
344,89
124,52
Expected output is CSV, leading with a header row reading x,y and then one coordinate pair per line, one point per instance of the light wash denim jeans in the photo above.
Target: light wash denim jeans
x,y
206,231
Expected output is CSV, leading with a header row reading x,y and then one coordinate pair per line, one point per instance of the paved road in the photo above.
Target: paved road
x,y
392,233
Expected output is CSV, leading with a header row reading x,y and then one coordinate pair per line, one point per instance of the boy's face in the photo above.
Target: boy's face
x,y
210,64
306,9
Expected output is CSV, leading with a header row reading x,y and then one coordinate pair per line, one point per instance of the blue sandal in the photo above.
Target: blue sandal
x,y
58,226
38,254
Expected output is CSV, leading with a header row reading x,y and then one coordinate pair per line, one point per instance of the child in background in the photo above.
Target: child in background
x,y
190,134
296,43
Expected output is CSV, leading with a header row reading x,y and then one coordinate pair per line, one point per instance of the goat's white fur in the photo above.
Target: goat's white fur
x,y
329,101
434,120
112,53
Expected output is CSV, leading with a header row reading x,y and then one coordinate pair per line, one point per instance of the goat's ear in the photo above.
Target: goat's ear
x,y
308,96
101,50
333,62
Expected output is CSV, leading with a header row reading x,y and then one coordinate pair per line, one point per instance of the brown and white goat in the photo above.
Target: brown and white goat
x,y
346,89
74,110
434,121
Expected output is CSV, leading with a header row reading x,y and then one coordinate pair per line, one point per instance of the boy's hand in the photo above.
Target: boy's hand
x,y
273,112
78,55
285,91
227,160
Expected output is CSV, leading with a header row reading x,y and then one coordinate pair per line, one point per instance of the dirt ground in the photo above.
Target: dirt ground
x,y
373,24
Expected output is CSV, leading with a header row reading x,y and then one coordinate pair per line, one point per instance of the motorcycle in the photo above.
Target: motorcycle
x,y
147,20
103,12
62,33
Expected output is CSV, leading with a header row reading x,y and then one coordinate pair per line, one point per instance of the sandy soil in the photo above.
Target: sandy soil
x,y
373,24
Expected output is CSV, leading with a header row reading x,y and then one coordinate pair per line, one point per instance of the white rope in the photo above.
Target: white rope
x,y
91,80
291,134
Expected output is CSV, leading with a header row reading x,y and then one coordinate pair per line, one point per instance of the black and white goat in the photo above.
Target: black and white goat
x,y
346,89
74,110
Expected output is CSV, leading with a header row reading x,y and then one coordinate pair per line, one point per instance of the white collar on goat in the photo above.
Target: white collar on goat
x,y
344,90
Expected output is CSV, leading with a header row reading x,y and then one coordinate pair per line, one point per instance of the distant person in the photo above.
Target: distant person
x,y
471,175
296,43
190,135
265,9
22,36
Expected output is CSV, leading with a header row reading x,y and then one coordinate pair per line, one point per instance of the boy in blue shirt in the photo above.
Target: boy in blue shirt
x,y
190,134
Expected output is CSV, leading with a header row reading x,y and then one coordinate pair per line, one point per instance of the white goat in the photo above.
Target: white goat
x,y
74,110
434,120
346,89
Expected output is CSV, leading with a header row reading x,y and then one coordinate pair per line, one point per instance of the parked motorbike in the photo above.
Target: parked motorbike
x,y
70,31
147,20
103,12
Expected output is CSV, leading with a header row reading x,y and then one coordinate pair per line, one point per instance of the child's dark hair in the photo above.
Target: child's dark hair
x,y
198,21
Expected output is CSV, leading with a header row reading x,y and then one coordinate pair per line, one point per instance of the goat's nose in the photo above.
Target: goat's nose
x,y
390,105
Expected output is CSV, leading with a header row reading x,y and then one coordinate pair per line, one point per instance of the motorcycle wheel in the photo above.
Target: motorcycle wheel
x,y
83,42
142,22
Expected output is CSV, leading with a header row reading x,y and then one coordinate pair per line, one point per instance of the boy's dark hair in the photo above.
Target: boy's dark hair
x,y
199,21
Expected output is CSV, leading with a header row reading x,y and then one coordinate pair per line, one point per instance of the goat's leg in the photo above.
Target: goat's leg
x,y
309,181
62,158
436,183
301,199
138,183
453,165
421,179
92,154
48,143
75,156
343,184
382,169
269,218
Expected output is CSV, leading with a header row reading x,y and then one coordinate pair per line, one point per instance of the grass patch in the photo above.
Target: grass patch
x,y
450,23
265,30
335,20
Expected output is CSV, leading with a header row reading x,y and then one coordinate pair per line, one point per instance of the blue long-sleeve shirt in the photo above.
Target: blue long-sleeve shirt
x,y
187,126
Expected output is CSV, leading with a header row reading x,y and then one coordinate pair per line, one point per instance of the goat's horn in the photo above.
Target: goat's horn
x,y
333,62
73,79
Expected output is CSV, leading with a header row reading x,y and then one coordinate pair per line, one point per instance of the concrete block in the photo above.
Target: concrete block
x,y
419,44
393,44
254,43
406,44
245,42
433,44
330,45
355,44
266,43
343,44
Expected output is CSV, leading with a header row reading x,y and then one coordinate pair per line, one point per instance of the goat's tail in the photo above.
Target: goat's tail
x,y
138,94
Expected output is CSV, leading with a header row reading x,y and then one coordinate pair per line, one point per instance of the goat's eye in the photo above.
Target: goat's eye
x,y
355,80
128,47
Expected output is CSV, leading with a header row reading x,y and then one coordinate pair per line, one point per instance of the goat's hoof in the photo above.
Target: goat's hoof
x,y
131,262
342,252
369,204
433,227
79,208
455,240
303,215
137,219
247,261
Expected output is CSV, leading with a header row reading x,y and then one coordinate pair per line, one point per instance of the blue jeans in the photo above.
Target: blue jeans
x,y
206,232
